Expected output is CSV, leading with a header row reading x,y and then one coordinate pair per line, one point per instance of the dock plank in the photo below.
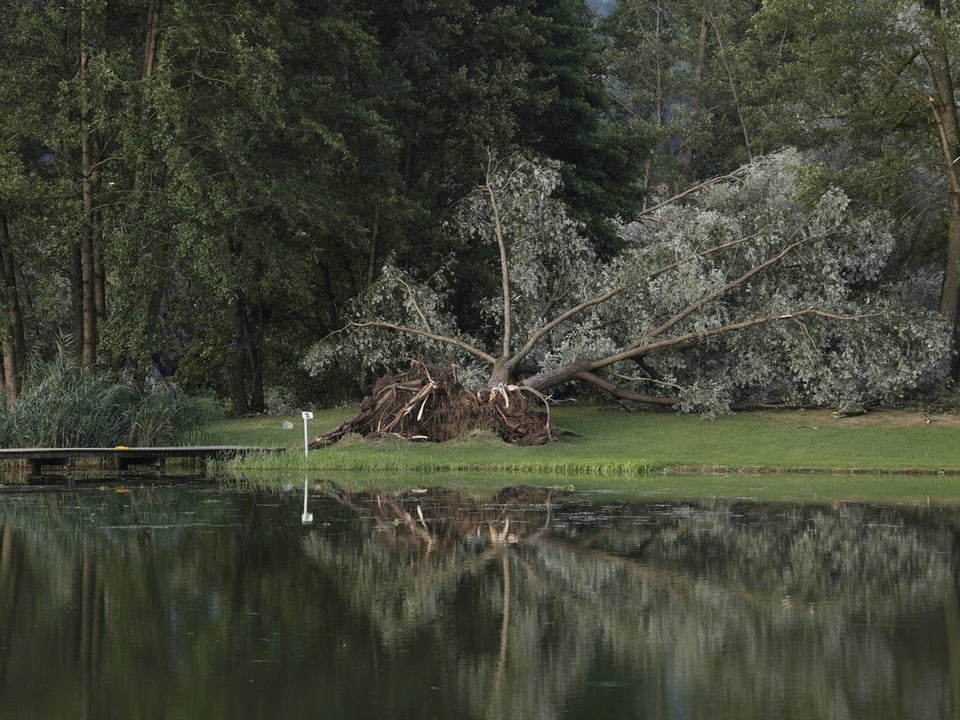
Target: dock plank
x,y
122,458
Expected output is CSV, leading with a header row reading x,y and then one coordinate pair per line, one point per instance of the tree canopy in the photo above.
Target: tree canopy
x,y
203,191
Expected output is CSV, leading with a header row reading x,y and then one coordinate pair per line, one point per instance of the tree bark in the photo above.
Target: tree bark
x,y
552,377
506,339
248,390
247,344
238,344
255,357
160,248
239,374
696,99
62,41
90,225
14,342
373,255
943,104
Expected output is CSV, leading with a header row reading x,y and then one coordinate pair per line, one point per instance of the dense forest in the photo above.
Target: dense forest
x,y
758,201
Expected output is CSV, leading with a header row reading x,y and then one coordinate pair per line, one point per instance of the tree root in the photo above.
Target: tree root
x,y
430,404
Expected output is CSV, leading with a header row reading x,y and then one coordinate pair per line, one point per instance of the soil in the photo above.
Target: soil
x,y
890,417
429,404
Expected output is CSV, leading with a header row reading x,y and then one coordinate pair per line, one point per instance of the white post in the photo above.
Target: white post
x,y
307,415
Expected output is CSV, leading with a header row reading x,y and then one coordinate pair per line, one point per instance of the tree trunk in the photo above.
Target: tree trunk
x,y
943,104
76,290
14,342
248,390
62,41
696,99
90,287
247,345
330,297
552,377
152,39
950,291
255,358
373,256
239,374
160,249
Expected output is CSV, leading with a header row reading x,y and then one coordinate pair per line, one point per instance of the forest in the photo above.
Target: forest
x,y
702,205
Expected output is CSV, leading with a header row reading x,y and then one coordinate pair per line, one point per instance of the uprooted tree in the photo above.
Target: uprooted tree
x,y
753,288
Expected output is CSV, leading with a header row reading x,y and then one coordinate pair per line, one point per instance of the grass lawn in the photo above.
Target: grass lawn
x,y
808,456
611,443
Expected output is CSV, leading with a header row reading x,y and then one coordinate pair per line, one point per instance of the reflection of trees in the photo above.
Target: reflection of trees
x,y
112,600
951,609
789,605
11,578
523,605
88,601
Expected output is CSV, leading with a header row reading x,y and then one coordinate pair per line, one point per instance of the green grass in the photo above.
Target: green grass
x,y
769,456
613,443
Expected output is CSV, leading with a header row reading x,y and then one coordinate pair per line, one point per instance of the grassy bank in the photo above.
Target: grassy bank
x,y
611,443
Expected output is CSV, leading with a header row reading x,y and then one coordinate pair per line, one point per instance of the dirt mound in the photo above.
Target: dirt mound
x,y
430,404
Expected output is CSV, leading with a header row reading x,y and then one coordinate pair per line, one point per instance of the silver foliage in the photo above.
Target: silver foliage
x,y
752,289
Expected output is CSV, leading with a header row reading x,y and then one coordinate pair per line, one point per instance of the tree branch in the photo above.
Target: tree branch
x,y
445,339
733,89
622,393
538,335
416,305
635,351
689,191
693,307
504,277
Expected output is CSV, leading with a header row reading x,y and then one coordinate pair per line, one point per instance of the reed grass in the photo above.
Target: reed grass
x,y
64,404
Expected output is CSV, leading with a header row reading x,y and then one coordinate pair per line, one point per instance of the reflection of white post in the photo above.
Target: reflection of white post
x,y
307,415
307,517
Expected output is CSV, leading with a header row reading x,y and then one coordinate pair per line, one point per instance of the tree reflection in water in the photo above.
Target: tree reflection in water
x,y
212,602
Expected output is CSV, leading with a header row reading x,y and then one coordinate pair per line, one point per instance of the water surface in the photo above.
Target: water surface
x,y
210,602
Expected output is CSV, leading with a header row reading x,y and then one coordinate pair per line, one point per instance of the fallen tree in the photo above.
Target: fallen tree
x,y
754,288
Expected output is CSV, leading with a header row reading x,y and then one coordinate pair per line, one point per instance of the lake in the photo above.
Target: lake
x,y
188,601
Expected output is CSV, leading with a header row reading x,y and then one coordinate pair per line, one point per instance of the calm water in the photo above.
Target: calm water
x,y
216,603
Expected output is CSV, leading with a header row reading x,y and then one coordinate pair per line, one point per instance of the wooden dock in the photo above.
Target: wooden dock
x,y
122,458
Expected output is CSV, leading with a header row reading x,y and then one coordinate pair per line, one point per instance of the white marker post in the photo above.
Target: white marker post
x,y
307,415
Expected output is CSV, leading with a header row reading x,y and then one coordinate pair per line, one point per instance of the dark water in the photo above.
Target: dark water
x,y
217,603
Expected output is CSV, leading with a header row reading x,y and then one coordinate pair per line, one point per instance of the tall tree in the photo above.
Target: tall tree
x,y
473,76
674,68
202,187
82,35
74,58
40,196
568,115
12,324
220,75
877,76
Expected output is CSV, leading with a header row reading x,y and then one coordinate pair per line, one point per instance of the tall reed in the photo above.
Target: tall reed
x,y
64,404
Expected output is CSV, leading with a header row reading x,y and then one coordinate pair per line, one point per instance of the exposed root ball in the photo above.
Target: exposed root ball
x,y
429,404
